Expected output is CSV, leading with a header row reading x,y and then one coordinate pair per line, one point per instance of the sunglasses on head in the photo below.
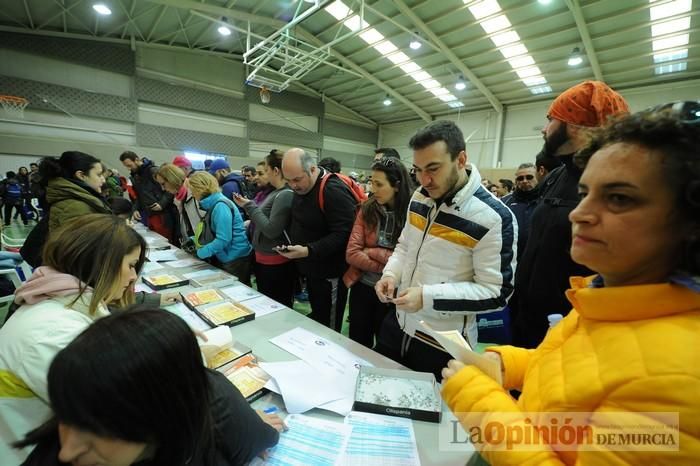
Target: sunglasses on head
x,y
524,177
687,112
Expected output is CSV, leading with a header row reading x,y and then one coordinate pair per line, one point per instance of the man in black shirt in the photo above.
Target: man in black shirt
x,y
319,236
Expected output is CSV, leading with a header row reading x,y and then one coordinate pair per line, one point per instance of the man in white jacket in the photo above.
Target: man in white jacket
x,y
455,257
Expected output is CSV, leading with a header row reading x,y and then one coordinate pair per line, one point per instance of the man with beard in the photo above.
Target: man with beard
x,y
545,266
522,201
455,257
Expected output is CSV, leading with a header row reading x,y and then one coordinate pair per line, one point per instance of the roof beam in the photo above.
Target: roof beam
x,y
29,14
585,37
449,54
220,11
335,102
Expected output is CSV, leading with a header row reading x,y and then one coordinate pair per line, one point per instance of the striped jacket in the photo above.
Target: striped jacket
x,y
463,254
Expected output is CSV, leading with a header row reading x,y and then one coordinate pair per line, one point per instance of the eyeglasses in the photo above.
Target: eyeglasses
x,y
524,177
686,112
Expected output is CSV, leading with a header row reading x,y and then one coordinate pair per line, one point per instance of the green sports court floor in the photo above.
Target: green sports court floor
x,y
17,231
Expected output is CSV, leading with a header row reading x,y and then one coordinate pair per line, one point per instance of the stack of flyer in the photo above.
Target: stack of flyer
x,y
248,377
215,309
164,281
220,349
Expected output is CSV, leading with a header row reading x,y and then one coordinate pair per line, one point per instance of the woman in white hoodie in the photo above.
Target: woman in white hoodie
x,y
89,262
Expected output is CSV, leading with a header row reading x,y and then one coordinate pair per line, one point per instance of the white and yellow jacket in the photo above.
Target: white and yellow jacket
x,y
29,340
461,252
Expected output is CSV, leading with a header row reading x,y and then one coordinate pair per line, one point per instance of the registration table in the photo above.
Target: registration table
x,y
257,333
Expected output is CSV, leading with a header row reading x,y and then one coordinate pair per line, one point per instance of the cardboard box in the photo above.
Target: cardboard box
x,y
418,397
228,355
164,281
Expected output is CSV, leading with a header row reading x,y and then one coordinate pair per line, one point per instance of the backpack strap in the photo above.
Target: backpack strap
x,y
321,189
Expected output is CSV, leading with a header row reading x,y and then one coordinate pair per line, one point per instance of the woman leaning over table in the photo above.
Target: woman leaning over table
x,y
229,248
628,351
275,275
131,389
174,181
374,235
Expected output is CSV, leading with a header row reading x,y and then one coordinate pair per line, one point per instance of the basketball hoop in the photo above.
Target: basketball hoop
x,y
14,106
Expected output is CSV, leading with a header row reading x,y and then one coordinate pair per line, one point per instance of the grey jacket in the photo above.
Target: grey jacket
x,y
270,219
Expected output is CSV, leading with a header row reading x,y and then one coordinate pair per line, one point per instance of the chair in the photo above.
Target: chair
x,y
5,303
11,244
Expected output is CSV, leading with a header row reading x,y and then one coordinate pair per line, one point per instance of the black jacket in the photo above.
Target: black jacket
x,y
522,204
324,233
240,434
147,189
543,272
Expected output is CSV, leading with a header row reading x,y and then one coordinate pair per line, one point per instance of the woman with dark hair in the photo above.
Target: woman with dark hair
x,y
73,186
275,275
131,389
372,240
626,355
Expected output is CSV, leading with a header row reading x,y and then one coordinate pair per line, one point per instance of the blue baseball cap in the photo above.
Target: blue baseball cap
x,y
218,164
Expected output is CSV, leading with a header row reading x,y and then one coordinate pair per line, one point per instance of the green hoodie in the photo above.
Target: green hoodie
x,y
68,199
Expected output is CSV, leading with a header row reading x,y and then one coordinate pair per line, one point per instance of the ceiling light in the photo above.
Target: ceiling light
x,y
437,92
409,67
669,9
669,27
371,36
484,8
337,9
528,72
460,85
398,58
447,98
541,89
456,104
420,76
224,31
495,24
102,9
575,58
521,62
670,42
387,101
430,84
505,38
534,81
385,48
544,2
354,23
415,43
513,50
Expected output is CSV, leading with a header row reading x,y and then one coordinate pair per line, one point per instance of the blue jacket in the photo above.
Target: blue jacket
x,y
231,241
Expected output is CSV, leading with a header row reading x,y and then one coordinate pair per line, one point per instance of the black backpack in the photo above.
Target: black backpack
x,y
34,244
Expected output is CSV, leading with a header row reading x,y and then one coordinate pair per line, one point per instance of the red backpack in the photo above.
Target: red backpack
x,y
355,189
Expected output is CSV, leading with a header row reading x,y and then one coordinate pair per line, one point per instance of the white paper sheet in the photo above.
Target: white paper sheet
x,y
161,256
302,387
262,305
240,292
455,344
189,262
200,273
309,442
380,441
218,339
149,267
193,320
140,287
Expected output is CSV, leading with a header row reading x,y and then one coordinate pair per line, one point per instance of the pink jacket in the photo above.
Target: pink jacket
x,y
46,283
362,253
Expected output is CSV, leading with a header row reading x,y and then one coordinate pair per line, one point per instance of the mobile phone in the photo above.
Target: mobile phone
x,y
281,248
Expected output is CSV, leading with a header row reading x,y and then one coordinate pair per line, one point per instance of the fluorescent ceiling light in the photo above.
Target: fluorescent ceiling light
x,y
398,58
387,101
420,75
672,68
447,98
669,27
505,38
355,24
541,89
456,104
439,91
409,67
371,36
385,48
495,24
669,9
670,56
484,8
670,42
528,72
224,31
513,50
430,83
521,62
338,10
102,9
534,81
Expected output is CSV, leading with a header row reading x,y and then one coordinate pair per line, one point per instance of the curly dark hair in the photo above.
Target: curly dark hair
x,y
673,131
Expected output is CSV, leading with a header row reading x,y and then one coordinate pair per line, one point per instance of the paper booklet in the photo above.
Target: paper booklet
x,y
220,349
455,344
216,310
247,377
164,281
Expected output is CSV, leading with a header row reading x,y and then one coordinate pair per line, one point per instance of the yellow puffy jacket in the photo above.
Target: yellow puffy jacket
x,y
621,349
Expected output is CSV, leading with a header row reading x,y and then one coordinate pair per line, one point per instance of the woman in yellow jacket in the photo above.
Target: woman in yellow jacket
x,y
627,355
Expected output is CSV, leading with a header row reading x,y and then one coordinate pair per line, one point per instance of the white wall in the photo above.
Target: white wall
x,y
522,138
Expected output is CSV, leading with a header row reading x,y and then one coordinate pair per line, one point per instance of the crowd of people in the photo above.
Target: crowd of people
x,y
600,228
